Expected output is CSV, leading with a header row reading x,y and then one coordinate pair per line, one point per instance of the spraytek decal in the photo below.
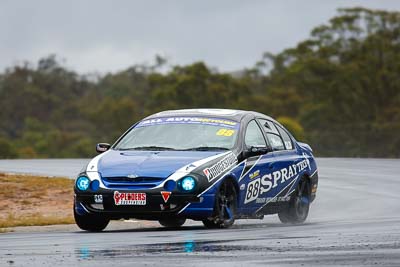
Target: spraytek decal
x,y
262,185
220,167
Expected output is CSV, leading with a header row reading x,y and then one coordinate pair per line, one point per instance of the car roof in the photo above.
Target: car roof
x,y
232,114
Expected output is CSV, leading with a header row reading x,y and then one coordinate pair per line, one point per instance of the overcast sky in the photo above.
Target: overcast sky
x,y
113,35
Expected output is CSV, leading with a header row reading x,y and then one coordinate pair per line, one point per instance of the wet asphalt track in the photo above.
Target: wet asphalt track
x,y
355,220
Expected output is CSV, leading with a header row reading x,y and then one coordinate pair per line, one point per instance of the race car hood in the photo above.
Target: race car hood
x,y
158,164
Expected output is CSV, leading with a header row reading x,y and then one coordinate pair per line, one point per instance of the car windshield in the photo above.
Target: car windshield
x,y
181,133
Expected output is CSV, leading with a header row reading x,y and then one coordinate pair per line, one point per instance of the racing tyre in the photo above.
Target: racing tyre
x,y
172,223
225,207
90,222
299,205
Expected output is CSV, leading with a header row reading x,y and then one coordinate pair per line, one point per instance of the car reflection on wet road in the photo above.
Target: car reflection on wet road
x,y
189,246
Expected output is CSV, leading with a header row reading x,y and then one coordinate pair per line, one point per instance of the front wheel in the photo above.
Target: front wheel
x,y
299,204
91,222
172,223
225,207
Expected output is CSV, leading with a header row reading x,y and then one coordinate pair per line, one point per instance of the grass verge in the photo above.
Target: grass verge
x,y
34,220
33,200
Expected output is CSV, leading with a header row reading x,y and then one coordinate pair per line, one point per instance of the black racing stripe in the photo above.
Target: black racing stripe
x,y
249,164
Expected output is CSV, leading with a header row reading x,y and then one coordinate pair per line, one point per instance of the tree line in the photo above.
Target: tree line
x,y
338,90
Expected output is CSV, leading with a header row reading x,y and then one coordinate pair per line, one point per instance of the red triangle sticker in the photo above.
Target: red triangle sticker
x,y
165,195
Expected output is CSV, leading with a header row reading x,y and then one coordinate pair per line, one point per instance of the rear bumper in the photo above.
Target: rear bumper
x,y
314,185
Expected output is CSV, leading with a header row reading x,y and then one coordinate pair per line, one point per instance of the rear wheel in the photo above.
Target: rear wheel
x,y
91,222
299,204
225,207
172,223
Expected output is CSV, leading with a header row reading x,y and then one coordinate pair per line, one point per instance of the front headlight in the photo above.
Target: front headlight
x,y
82,183
187,184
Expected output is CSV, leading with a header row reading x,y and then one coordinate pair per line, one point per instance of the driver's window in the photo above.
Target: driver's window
x,y
276,141
273,136
254,136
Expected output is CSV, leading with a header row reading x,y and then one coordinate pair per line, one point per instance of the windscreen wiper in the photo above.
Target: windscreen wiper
x,y
148,148
206,148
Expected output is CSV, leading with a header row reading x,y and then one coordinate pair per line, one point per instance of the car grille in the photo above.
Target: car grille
x,y
131,183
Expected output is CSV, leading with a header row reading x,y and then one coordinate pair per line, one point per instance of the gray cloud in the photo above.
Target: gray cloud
x,y
112,35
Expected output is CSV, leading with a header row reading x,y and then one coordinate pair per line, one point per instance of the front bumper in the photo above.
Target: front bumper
x,y
155,207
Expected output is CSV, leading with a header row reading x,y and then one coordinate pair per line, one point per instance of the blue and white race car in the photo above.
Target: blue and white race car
x,y
212,165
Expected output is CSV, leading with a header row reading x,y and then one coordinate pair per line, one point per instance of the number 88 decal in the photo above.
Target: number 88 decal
x,y
225,132
253,188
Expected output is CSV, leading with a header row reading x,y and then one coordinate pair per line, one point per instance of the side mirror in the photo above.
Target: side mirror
x,y
256,151
102,147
